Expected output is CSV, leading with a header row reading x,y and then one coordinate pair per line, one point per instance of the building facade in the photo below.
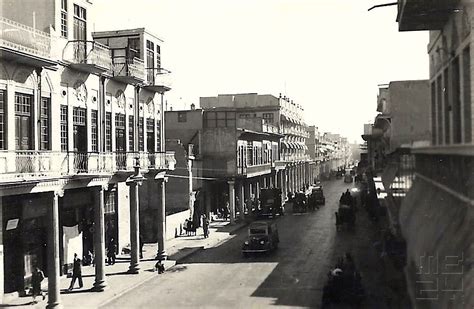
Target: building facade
x,y
436,216
81,126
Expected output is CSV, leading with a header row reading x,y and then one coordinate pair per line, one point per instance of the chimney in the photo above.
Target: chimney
x,y
193,106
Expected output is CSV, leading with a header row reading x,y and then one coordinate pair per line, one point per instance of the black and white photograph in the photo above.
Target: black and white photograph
x,y
237,154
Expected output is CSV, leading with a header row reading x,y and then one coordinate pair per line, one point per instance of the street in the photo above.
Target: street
x,y
292,276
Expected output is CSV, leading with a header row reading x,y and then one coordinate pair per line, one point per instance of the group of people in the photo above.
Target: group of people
x,y
344,283
347,198
190,227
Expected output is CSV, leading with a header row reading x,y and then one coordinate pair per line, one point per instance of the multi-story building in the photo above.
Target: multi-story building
x,y
314,152
281,116
81,127
184,131
437,214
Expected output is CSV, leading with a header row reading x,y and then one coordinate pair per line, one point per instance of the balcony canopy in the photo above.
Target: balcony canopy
x,y
416,15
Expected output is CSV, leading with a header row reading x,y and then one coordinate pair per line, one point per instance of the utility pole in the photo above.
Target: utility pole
x,y
190,171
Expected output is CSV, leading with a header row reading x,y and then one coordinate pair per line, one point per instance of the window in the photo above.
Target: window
x,y
63,127
268,117
110,202
158,135
182,116
64,18
150,60
158,56
45,124
79,116
244,116
150,135
3,100
23,125
108,131
219,119
134,47
131,137
94,135
80,24
120,142
466,68
141,145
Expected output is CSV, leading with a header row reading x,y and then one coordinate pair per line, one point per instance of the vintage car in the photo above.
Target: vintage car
x,y
270,202
300,202
262,237
318,195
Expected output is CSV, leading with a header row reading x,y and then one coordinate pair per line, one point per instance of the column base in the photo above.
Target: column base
x,y
56,305
161,255
133,269
99,286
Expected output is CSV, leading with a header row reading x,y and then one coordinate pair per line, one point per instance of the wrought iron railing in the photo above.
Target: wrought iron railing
x,y
24,38
88,52
36,164
159,77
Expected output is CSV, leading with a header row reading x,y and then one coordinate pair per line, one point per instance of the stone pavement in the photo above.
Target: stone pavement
x,y
119,281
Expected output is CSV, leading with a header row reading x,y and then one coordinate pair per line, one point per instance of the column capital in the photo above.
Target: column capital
x,y
59,192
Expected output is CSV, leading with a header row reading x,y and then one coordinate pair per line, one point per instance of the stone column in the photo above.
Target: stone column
x,y
265,184
54,297
134,229
232,200
161,254
275,179
99,242
242,200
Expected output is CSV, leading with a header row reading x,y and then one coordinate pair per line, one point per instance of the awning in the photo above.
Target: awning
x,y
284,145
299,146
292,145
305,147
438,225
388,175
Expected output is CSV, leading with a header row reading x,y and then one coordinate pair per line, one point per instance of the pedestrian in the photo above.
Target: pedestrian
x,y
189,227
159,267
76,272
205,226
141,246
111,249
37,276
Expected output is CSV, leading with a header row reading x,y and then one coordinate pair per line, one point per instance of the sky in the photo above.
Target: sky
x,y
327,55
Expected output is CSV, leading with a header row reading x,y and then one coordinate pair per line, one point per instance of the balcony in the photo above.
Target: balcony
x,y
88,56
36,165
158,80
128,70
416,15
22,44
254,170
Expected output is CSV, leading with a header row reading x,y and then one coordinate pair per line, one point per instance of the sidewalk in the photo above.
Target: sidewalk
x,y
117,278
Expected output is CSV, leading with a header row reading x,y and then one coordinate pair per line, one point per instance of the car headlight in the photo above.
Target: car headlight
x,y
262,242
246,242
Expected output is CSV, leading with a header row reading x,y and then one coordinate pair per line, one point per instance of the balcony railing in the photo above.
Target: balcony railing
x,y
22,38
133,68
158,78
24,165
88,53
254,170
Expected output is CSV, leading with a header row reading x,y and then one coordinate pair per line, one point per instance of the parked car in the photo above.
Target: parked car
x,y
270,202
317,195
262,238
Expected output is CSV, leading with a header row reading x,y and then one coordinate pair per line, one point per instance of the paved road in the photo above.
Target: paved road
x,y
221,277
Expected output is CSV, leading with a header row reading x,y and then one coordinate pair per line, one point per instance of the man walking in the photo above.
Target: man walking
x,y
36,278
111,249
76,272
205,226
